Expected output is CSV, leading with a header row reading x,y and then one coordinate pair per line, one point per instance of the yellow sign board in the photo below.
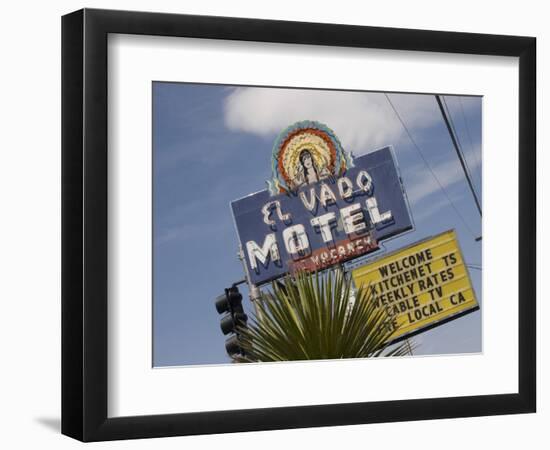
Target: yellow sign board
x,y
420,286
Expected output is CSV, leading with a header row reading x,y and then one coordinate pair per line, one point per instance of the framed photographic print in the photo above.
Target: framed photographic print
x,y
274,224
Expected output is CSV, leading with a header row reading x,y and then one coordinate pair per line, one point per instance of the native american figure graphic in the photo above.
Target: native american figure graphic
x,y
307,171
305,153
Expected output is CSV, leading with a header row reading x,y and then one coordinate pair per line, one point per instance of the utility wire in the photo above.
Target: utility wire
x,y
472,149
460,156
415,145
460,147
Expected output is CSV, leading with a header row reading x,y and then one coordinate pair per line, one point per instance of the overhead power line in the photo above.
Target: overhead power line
x,y
460,146
428,166
458,152
476,155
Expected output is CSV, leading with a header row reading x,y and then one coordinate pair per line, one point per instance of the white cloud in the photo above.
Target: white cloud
x,y
432,207
421,183
362,121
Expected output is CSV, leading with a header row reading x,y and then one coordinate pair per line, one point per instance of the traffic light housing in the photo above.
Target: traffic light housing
x,y
230,304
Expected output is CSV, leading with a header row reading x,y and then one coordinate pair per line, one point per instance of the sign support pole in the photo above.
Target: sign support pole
x,y
253,290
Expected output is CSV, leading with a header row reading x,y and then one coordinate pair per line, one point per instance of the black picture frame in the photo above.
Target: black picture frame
x,y
84,224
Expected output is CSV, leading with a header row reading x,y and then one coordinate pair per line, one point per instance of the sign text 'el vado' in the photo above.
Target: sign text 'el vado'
x,y
322,207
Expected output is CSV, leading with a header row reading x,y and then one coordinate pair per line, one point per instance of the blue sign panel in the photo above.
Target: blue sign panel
x,y
323,223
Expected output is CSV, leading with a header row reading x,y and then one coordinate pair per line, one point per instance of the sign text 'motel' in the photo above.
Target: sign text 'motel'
x,y
325,221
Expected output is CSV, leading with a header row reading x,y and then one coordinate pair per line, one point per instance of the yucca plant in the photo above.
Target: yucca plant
x,y
317,316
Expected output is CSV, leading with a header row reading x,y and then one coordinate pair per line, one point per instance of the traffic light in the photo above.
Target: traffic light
x,y
230,304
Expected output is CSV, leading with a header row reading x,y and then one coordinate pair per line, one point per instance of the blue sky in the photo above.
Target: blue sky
x,y
212,144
